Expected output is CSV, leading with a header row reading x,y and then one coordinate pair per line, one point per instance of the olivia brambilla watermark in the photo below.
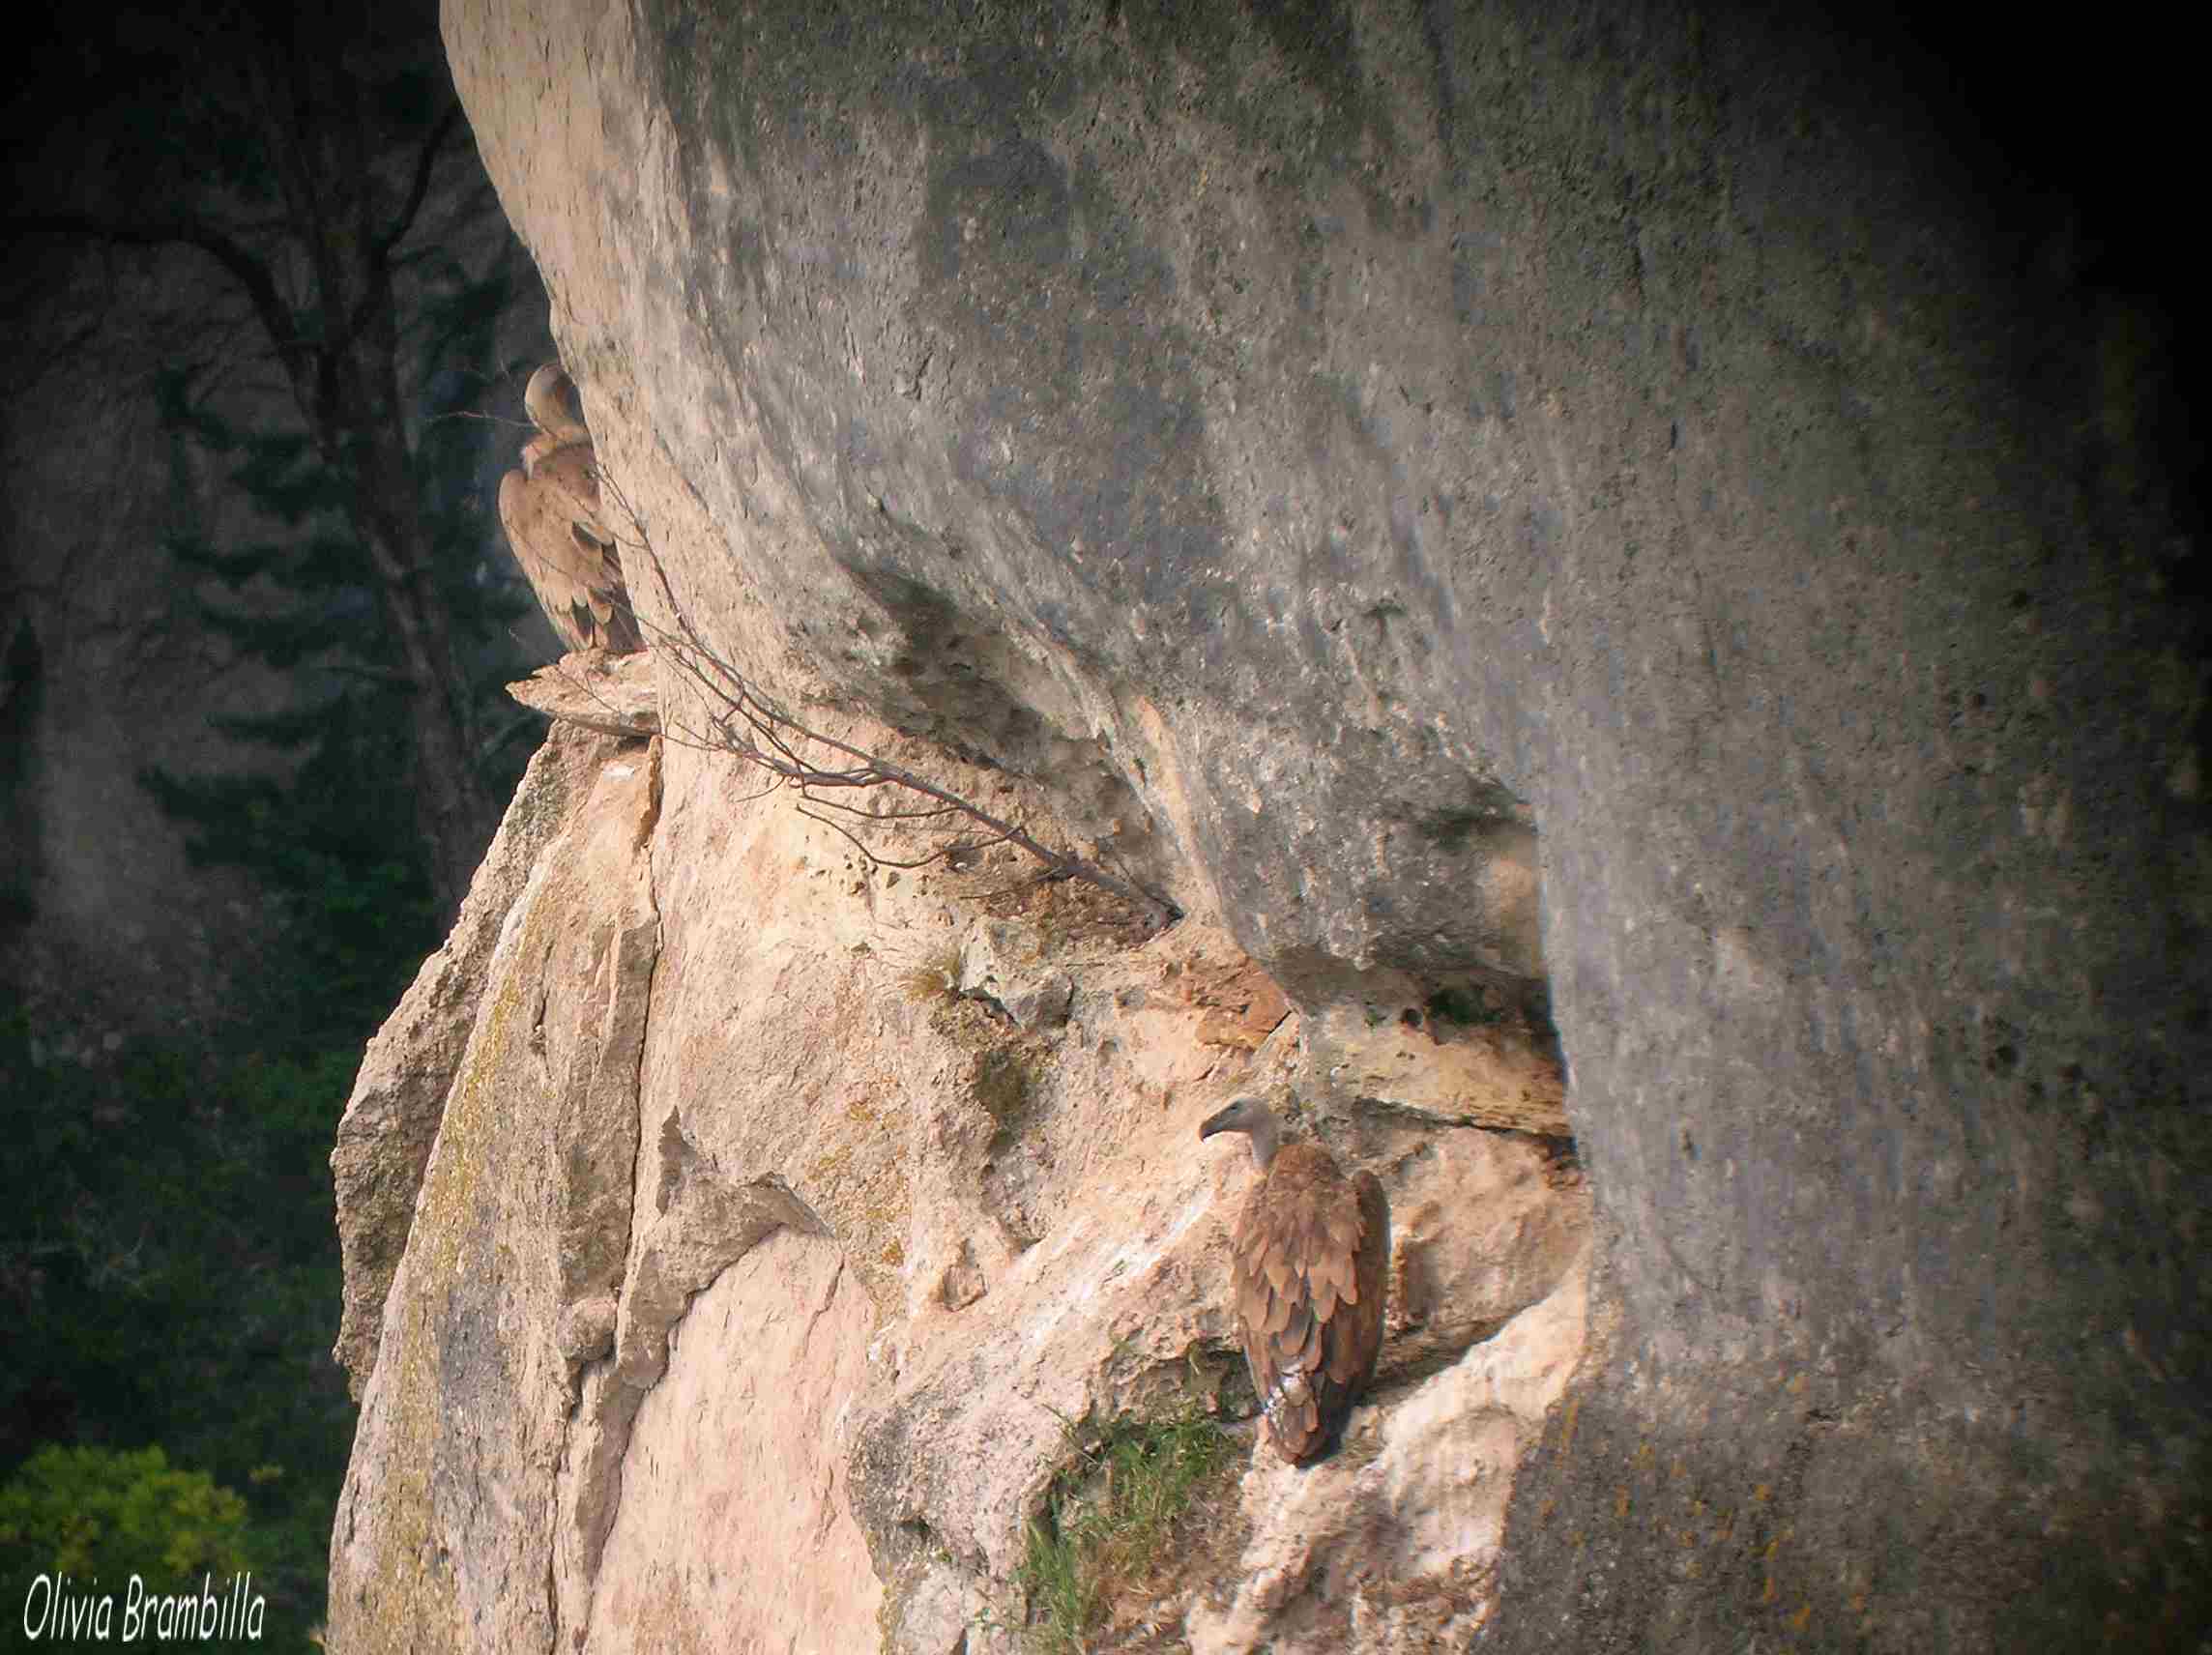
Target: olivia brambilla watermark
x,y
61,1608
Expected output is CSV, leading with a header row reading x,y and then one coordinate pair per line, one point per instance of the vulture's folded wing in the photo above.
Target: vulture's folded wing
x,y
568,558
1310,1275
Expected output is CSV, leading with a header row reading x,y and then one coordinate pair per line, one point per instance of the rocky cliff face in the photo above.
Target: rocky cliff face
x,y
719,1267
1336,472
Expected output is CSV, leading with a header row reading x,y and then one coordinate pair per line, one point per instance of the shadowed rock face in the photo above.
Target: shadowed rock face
x,y
1353,461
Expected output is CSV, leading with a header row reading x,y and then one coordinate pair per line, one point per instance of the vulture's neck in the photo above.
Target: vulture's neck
x,y
1265,1134
549,411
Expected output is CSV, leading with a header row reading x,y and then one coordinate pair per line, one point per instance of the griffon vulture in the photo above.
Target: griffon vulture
x,y
550,509
1312,1252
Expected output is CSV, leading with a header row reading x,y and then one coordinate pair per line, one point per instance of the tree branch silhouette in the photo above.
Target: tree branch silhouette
x,y
748,724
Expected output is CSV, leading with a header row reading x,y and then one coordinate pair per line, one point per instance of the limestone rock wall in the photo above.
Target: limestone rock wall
x,y
756,1273
1343,465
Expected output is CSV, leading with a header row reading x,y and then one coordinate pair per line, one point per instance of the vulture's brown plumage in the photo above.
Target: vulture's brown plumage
x,y
550,509
1311,1268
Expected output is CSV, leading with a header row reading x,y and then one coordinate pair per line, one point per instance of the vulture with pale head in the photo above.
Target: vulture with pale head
x,y
1312,1251
550,509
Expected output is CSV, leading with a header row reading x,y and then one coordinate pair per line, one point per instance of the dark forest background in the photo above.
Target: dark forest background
x,y
261,240
264,341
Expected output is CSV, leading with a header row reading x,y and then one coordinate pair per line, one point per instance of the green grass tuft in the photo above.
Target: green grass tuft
x,y
1111,1519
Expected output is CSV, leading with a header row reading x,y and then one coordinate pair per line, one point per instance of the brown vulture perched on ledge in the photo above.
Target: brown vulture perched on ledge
x,y
550,509
1312,1267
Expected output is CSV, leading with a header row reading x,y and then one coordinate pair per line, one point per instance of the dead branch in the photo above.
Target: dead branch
x,y
744,723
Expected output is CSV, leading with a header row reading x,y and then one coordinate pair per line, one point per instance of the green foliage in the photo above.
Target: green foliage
x,y
1111,1518
105,1514
332,833
22,697
169,1272
285,475
168,1255
334,844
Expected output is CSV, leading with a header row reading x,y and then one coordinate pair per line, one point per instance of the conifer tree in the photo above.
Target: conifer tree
x,y
294,146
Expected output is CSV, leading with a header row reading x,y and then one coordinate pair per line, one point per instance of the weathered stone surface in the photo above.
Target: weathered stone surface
x,y
407,1074
1117,1296
614,695
1350,460
1484,1226
734,1531
1496,1073
519,1224
1020,980
1389,1544
1242,1004
809,1243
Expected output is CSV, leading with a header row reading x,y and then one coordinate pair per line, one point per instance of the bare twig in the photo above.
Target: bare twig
x,y
743,722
